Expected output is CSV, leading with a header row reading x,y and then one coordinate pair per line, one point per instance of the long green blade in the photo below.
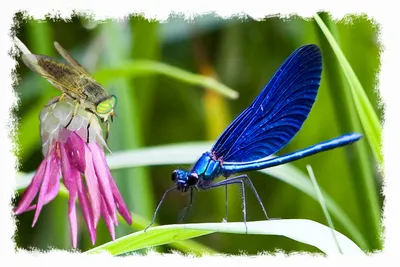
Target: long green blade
x,y
305,231
367,115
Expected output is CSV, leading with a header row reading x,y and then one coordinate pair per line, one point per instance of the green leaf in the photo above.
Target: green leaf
x,y
323,204
138,222
305,231
147,67
367,115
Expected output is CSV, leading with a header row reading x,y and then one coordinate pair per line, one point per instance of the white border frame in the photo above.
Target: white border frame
x,y
388,85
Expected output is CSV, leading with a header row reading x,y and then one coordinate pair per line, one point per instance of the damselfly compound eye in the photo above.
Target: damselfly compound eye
x,y
192,179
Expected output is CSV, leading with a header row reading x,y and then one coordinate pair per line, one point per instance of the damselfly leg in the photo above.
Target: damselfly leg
x,y
186,209
158,207
241,179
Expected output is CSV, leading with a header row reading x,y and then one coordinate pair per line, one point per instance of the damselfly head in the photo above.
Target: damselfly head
x,y
184,180
178,175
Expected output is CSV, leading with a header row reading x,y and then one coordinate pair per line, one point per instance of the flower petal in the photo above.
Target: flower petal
x,y
76,123
32,189
70,178
107,219
87,211
54,183
75,148
51,124
52,169
52,191
94,130
102,176
63,135
92,185
63,111
46,141
73,224
69,173
119,201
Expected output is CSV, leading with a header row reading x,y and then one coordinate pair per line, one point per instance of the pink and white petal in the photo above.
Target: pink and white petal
x,y
73,223
107,219
54,184
52,169
70,177
52,192
69,173
119,201
75,148
86,210
92,185
102,176
32,190
63,135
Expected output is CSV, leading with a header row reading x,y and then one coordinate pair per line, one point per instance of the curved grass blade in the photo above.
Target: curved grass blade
x,y
188,152
149,67
367,115
194,247
138,222
323,205
305,231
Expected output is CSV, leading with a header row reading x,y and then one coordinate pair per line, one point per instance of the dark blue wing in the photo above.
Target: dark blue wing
x,y
277,113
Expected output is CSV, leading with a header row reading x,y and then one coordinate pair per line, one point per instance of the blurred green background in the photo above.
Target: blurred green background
x,y
155,110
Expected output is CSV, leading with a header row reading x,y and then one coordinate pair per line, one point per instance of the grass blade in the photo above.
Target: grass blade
x,y
366,113
305,231
149,67
323,205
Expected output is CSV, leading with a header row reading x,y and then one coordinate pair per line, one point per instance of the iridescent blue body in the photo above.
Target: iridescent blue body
x,y
263,128
207,167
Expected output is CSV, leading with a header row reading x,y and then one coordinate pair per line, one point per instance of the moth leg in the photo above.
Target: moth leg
x,y
88,127
74,113
90,120
107,129
56,100
62,96
107,122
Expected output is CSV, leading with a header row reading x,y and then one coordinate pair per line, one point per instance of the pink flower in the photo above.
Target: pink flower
x,y
83,167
